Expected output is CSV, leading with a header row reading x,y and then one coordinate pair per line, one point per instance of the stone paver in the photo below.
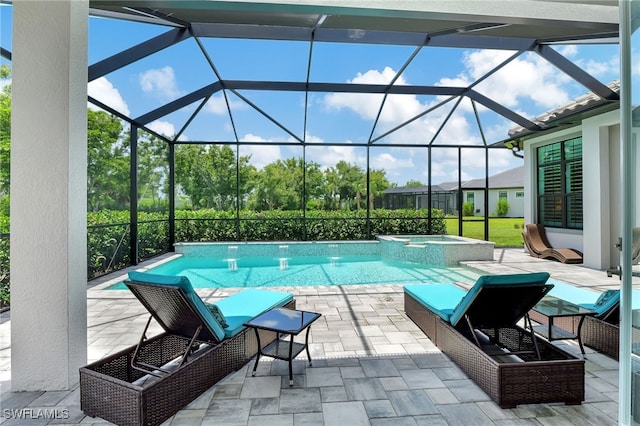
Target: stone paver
x,y
371,365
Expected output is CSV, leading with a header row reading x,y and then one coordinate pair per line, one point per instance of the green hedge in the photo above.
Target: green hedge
x,y
211,225
108,232
4,271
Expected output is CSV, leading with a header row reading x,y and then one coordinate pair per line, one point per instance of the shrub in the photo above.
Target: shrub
x,y
4,271
502,208
467,208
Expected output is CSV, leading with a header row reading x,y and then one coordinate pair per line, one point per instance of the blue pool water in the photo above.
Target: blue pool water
x,y
306,271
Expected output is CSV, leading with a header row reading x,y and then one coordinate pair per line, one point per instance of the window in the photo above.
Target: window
x,y
520,194
470,197
559,188
502,194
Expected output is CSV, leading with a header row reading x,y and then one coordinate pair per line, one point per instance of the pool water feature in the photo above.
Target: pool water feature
x,y
441,250
266,271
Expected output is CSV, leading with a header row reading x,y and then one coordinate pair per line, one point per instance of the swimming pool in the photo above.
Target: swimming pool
x,y
265,271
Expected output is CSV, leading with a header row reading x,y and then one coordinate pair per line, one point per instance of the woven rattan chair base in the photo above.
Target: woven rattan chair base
x,y
602,336
557,377
110,388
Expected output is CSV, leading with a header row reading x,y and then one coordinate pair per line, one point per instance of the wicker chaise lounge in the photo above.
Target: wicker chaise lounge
x,y
535,239
602,332
478,330
148,383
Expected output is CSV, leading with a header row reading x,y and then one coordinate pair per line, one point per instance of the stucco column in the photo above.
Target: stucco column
x,y
48,194
600,145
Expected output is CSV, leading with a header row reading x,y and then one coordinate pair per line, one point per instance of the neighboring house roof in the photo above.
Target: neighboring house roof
x,y
412,190
449,186
513,178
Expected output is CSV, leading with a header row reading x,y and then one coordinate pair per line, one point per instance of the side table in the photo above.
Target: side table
x,y
285,322
553,307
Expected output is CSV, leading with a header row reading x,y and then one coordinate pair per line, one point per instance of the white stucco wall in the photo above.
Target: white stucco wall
x,y
601,194
516,205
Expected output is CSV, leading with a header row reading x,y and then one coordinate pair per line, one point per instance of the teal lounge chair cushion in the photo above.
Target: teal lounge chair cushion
x,y
608,300
601,303
440,299
495,280
183,283
217,314
248,304
573,294
607,297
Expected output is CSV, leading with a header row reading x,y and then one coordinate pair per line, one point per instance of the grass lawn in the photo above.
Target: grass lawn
x,y
504,232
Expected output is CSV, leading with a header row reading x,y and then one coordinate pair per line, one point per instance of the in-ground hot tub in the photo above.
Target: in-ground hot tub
x,y
441,250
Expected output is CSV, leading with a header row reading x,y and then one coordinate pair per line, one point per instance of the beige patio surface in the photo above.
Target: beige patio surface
x,y
371,365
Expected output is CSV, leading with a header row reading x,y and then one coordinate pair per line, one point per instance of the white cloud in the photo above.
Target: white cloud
x,y
310,138
602,68
163,127
217,105
261,155
526,78
503,159
444,165
499,130
365,105
102,90
161,82
329,156
527,82
398,109
597,68
391,163
568,50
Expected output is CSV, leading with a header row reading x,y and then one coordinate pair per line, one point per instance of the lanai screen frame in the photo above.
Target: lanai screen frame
x,y
442,38
463,34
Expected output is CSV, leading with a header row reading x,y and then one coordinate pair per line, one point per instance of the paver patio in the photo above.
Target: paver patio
x,y
371,365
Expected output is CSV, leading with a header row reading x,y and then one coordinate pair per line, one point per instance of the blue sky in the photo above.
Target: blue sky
x,y
528,85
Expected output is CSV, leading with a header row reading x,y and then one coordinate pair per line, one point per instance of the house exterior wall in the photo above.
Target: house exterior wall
x,y
601,148
516,204
601,195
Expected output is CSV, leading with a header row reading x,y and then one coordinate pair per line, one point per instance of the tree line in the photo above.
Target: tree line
x,y
210,176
